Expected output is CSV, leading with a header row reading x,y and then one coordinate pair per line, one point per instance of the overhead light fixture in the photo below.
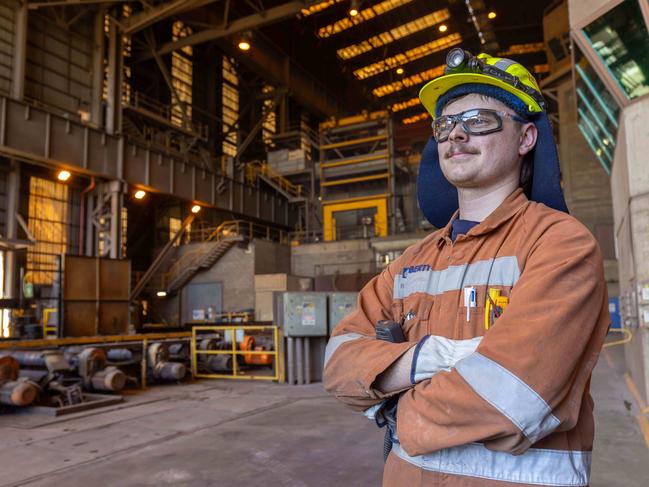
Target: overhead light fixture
x,y
491,15
63,175
161,294
400,70
353,8
245,41
443,28
139,194
196,209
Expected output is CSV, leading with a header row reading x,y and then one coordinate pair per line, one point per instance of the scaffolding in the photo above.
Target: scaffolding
x,y
357,181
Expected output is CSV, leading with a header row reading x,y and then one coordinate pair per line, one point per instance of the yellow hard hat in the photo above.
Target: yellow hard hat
x,y
463,68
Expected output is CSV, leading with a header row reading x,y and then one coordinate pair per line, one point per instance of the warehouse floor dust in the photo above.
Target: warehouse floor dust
x,y
240,433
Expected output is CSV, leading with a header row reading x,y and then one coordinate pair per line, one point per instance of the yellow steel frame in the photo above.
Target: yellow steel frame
x,y
360,179
378,202
48,330
234,352
348,162
91,339
347,143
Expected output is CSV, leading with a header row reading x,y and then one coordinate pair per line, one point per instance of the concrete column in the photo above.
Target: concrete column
x,y
13,195
114,81
630,187
19,52
96,112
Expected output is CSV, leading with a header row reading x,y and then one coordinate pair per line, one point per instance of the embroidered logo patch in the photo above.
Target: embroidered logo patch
x,y
413,269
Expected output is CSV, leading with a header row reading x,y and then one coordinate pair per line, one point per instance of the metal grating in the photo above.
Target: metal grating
x,y
7,14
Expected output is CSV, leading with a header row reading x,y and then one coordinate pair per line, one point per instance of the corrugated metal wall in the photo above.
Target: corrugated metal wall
x,y
7,14
59,64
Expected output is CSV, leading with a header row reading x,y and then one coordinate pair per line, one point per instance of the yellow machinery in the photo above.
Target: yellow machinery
x,y
357,185
380,204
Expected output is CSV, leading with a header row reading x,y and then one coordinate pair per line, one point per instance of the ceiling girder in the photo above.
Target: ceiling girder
x,y
252,21
68,3
162,11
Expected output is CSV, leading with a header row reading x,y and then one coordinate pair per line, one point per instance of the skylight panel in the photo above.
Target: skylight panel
x,y
408,56
364,15
394,34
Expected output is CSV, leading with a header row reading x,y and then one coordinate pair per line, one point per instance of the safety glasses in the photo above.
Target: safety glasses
x,y
478,121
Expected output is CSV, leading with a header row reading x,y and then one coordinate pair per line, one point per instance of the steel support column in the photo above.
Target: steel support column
x,y
96,113
114,81
13,195
19,52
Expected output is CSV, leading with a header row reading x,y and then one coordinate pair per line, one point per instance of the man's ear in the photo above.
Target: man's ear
x,y
527,138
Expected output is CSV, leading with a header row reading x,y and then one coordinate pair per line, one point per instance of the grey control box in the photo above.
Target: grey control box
x,y
301,314
340,305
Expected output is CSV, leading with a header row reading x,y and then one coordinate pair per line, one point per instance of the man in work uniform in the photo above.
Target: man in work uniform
x,y
503,310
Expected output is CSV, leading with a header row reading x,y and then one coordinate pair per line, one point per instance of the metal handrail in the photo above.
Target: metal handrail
x,y
226,230
255,168
163,110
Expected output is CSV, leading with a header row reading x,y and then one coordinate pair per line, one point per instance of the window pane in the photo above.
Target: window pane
x,y
621,40
597,110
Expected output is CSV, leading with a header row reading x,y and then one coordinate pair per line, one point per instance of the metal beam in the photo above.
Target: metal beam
x,y
255,130
68,3
19,53
266,17
144,19
167,77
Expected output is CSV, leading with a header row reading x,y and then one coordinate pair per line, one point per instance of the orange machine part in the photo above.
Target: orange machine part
x,y
248,343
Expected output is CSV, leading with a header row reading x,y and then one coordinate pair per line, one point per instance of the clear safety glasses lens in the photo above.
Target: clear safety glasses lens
x,y
474,122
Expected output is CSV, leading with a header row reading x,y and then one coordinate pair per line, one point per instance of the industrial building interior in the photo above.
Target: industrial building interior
x,y
193,192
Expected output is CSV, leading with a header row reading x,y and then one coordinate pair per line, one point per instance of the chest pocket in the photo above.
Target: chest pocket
x,y
415,311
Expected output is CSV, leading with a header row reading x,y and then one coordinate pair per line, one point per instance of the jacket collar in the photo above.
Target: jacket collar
x,y
507,209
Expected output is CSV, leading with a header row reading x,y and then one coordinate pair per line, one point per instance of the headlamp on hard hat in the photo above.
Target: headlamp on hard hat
x,y
460,61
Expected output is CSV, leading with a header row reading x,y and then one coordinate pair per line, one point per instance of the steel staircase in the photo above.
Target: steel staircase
x,y
191,263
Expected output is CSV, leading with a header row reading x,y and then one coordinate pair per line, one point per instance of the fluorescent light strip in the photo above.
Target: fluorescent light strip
x,y
415,118
318,7
409,81
397,107
408,56
363,15
392,35
523,49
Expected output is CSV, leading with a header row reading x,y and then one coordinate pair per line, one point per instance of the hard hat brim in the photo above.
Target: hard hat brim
x,y
432,90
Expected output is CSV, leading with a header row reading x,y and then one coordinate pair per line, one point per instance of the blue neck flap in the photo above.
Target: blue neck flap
x,y
438,198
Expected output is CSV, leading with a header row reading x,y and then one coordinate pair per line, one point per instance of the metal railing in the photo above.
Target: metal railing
x,y
238,228
257,168
139,101
237,373
229,230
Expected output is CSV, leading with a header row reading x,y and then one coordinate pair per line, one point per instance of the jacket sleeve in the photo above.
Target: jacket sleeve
x,y
529,374
354,357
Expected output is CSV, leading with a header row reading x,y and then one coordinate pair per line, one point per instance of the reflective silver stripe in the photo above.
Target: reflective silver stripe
x,y
504,63
337,341
509,395
501,271
438,353
535,466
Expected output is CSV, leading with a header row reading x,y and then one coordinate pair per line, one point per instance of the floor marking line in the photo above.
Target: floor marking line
x,y
630,384
644,427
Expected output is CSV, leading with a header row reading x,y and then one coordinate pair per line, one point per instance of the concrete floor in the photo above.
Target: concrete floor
x,y
239,433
